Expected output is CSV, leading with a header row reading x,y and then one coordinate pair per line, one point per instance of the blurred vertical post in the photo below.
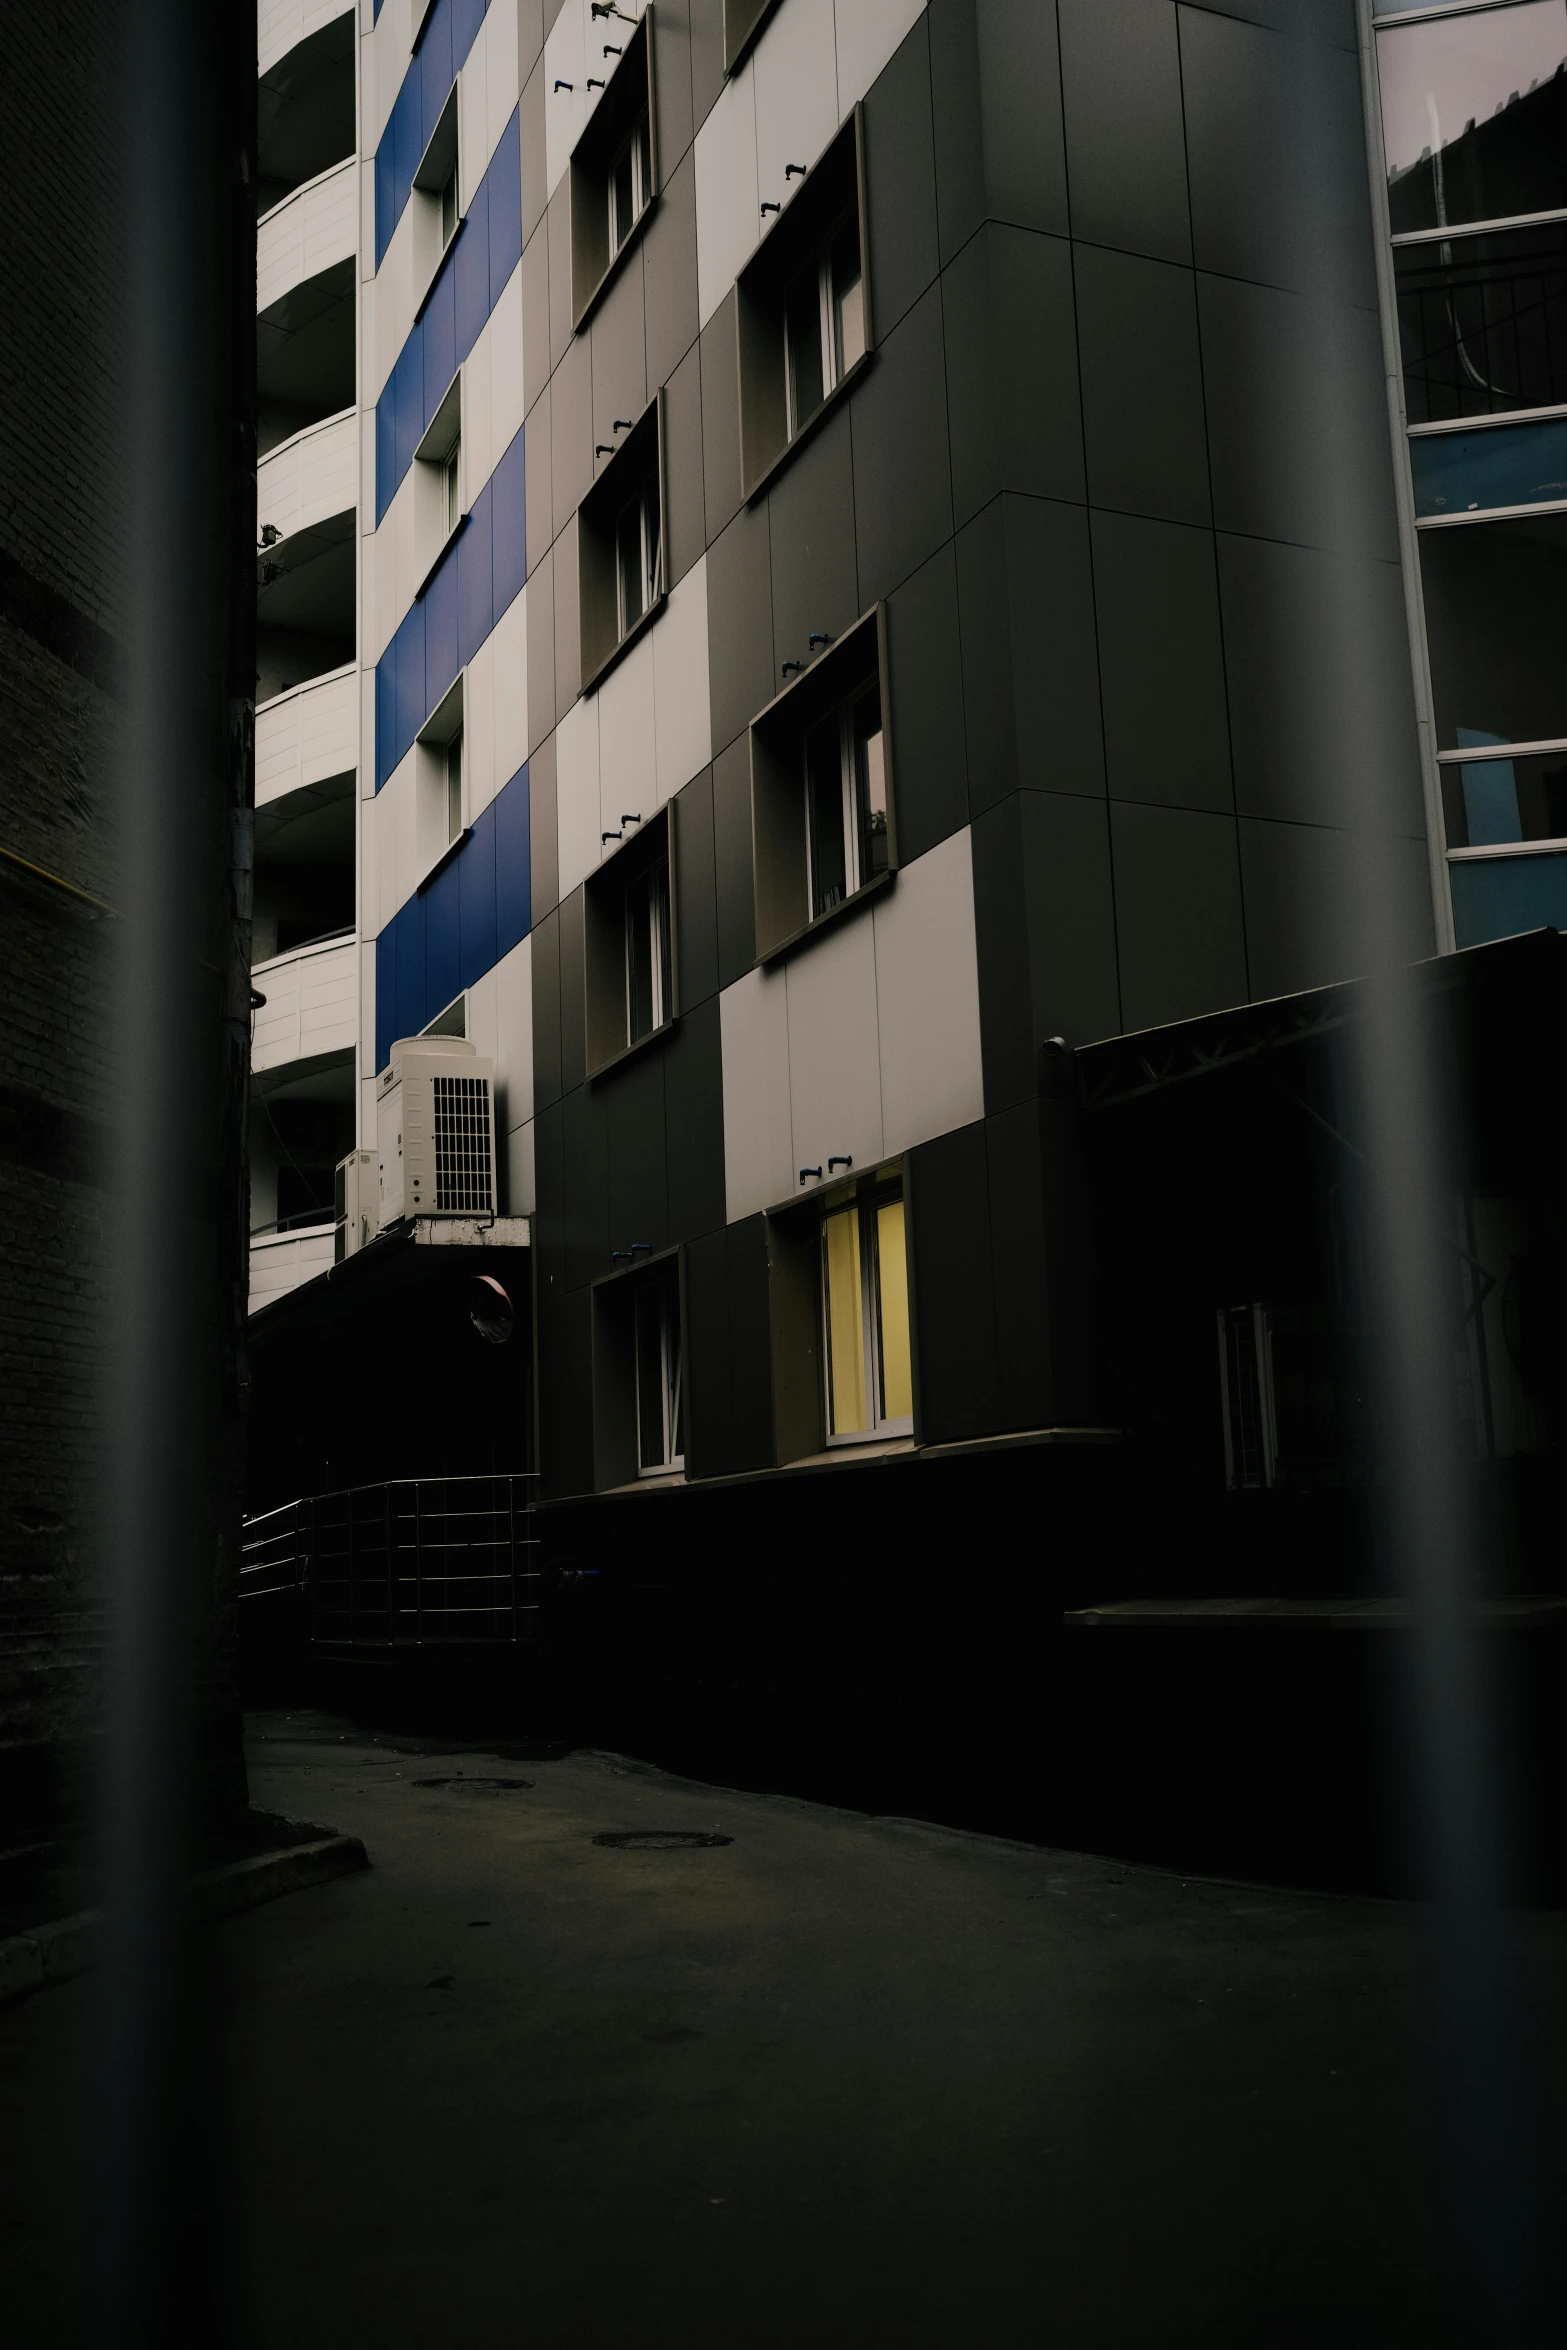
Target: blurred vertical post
x,y
176,1771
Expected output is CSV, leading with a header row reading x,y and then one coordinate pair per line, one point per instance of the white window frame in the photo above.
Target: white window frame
x,y
855,877
645,890
651,556
638,142
833,367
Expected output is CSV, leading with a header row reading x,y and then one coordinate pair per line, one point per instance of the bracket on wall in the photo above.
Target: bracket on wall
x,y
841,1160
807,1172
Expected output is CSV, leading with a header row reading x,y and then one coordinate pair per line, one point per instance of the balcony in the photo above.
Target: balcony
x,y
280,1261
309,477
312,1007
310,232
307,735
282,24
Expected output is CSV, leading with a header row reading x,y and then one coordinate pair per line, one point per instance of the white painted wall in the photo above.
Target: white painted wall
x,y
310,476
865,1042
280,1261
309,231
307,734
312,1005
282,24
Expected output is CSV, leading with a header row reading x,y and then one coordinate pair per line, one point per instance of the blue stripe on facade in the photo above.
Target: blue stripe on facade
x,y
449,33
477,580
475,911
485,251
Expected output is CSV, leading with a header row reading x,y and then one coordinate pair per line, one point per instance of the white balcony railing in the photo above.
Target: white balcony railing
x,y
280,1261
307,734
312,1007
310,476
282,24
307,232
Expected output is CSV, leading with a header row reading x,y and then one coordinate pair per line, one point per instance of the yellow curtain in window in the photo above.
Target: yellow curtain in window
x,y
897,1378
845,1322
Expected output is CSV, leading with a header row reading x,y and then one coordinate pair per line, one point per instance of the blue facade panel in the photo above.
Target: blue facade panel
x,y
475,598
440,631
449,33
509,525
476,901
513,866
447,937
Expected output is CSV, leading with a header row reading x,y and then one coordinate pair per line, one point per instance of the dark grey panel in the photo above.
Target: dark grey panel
x,y
696,894
900,172
535,176
955,102
565,1396
585,1126
952,1289
710,1435
721,417
671,81
811,533
568,621
571,428
619,370
685,525
573,997
732,870
541,651
546,1012
740,625
634,1110
1307,890
1161,663
1020,107
669,269
543,830
539,475
1142,386
1180,939
1276,151
694,1093
1322,719
557,223
1045,934
536,361
902,481
552,9
1297,418
750,1353
707,57
530,32
925,666
985,644
1125,143
1021,1294
1013,409
1056,694
549,1221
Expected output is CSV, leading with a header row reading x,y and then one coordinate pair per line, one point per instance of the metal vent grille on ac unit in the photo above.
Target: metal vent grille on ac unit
x,y
463,1177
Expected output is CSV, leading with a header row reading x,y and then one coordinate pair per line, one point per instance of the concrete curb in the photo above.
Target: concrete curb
x,y
70,1946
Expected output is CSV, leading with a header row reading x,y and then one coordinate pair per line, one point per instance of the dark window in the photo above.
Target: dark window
x,y
1496,620
1474,115
1483,323
614,165
647,953
628,942
822,812
660,1434
620,543
638,1368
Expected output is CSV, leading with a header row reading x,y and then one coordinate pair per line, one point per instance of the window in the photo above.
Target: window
x,y
449,207
629,941
865,1318
438,783
1474,115
453,470
620,542
454,786
630,184
435,215
437,482
822,815
660,1434
614,165
803,311
824,323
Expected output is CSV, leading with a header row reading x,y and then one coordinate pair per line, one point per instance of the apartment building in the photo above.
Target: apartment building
x,y
825,559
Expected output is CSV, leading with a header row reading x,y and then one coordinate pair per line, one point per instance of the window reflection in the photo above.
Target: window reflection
x,y
1474,115
1490,803
1506,465
1497,897
1496,621
1482,322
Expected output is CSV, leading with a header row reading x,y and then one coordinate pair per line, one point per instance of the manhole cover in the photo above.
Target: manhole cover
x,y
659,1839
476,1785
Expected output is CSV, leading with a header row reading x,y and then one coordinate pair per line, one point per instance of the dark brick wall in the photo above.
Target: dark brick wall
x,y
61,603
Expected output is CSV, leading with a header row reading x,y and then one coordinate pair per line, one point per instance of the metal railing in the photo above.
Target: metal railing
x,y
420,1561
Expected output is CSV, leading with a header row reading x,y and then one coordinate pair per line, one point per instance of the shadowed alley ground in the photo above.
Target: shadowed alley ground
x,y
841,2080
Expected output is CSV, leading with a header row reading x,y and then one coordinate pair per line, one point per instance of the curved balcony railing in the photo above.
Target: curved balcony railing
x,y
307,734
280,1261
310,230
308,477
282,24
312,1007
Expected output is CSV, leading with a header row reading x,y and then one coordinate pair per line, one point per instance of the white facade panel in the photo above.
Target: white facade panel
x,y
927,998
310,476
565,91
395,814
280,1261
796,95
503,333
282,24
509,653
389,43
869,31
753,1024
727,219
521,1182
834,1071
478,732
578,816
627,768
308,232
307,734
312,1005
682,704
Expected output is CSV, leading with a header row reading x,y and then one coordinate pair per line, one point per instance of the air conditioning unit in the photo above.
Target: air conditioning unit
x,y
435,1128
357,1193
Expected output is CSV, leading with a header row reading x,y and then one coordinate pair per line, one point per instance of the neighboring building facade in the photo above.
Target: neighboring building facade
x,y
868,524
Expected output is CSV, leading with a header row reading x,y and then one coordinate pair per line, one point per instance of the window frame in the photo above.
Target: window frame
x,y
832,191
797,1324
439,167
865,1203
637,468
614,1302
629,98
441,442
607,893
780,817
435,842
